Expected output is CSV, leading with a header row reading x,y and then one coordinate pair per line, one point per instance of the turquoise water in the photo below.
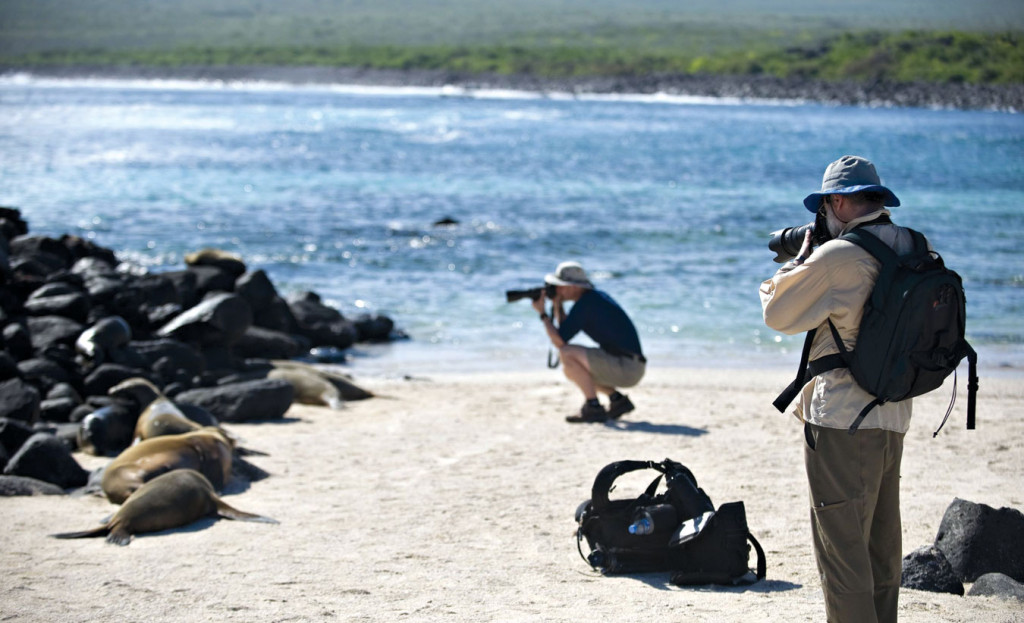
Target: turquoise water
x,y
667,202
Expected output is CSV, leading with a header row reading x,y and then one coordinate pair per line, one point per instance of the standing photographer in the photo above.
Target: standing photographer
x,y
618,362
854,479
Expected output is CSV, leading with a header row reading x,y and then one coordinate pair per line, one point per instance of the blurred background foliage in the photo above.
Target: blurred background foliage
x,y
894,40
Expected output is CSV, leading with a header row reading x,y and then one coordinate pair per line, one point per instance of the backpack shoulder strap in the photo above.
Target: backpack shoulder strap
x,y
782,401
872,244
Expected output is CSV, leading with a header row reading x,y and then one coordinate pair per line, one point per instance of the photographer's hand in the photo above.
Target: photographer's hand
x,y
805,249
538,303
549,325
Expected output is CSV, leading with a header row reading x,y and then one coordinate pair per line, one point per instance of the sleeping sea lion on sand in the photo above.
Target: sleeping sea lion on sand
x,y
208,451
347,389
310,387
168,501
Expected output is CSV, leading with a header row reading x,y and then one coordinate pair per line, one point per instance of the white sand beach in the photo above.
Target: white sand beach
x,y
451,498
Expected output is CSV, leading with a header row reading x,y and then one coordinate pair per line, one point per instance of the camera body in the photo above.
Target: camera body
x,y
533,294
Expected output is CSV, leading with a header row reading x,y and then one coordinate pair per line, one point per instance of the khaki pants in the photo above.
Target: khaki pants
x,y
855,520
610,370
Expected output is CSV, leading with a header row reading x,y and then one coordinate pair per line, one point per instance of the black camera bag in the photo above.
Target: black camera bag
x,y
697,544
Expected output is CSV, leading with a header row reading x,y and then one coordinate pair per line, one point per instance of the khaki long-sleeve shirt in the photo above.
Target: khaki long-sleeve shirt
x,y
834,282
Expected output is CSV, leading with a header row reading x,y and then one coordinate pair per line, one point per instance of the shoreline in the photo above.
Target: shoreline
x,y
412,358
1005,98
451,498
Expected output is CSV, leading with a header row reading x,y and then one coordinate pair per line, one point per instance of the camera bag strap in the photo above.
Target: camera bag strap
x,y
553,359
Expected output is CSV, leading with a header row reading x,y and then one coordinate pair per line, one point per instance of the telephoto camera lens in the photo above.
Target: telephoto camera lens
x,y
786,242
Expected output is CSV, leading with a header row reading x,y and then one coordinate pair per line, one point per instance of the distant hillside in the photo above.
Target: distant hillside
x,y
894,41
691,27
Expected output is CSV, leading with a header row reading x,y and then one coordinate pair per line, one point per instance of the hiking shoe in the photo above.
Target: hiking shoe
x,y
619,407
588,413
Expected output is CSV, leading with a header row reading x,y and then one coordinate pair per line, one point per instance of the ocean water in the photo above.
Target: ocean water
x,y
667,202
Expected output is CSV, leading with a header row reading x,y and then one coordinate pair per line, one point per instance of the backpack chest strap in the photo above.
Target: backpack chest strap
x,y
824,364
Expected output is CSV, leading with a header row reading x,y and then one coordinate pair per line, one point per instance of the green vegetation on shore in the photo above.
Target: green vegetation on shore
x,y
909,56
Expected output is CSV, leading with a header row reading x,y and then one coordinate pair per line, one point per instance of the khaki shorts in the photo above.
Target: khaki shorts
x,y
610,370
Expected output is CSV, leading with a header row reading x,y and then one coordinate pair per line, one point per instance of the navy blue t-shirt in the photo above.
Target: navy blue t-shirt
x,y
601,318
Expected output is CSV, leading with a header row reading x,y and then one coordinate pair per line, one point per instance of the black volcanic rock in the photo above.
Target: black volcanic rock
x,y
978,539
927,569
46,458
997,585
265,399
11,486
219,320
19,400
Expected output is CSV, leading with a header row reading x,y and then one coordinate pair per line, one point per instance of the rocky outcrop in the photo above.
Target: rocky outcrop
x,y
976,544
75,322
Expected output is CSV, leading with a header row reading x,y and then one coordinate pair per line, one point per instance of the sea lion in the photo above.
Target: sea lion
x,y
224,260
107,430
107,334
163,417
346,388
168,501
310,387
159,415
207,450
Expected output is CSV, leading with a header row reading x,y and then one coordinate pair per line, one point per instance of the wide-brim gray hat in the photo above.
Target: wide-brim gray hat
x,y
850,174
569,274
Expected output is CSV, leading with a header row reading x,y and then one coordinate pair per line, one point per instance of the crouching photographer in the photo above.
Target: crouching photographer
x,y
617,362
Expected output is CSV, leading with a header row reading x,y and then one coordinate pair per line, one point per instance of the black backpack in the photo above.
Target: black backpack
x,y
911,335
686,537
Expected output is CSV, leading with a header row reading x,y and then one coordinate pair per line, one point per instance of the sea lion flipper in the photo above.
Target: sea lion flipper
x,y
119,536
240,451
229,512
83,534
244,470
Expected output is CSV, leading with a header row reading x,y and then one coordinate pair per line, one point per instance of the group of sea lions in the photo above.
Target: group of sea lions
x,y
217,338
170,476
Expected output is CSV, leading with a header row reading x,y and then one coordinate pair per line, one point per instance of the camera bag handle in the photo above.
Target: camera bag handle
x,y
606,478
